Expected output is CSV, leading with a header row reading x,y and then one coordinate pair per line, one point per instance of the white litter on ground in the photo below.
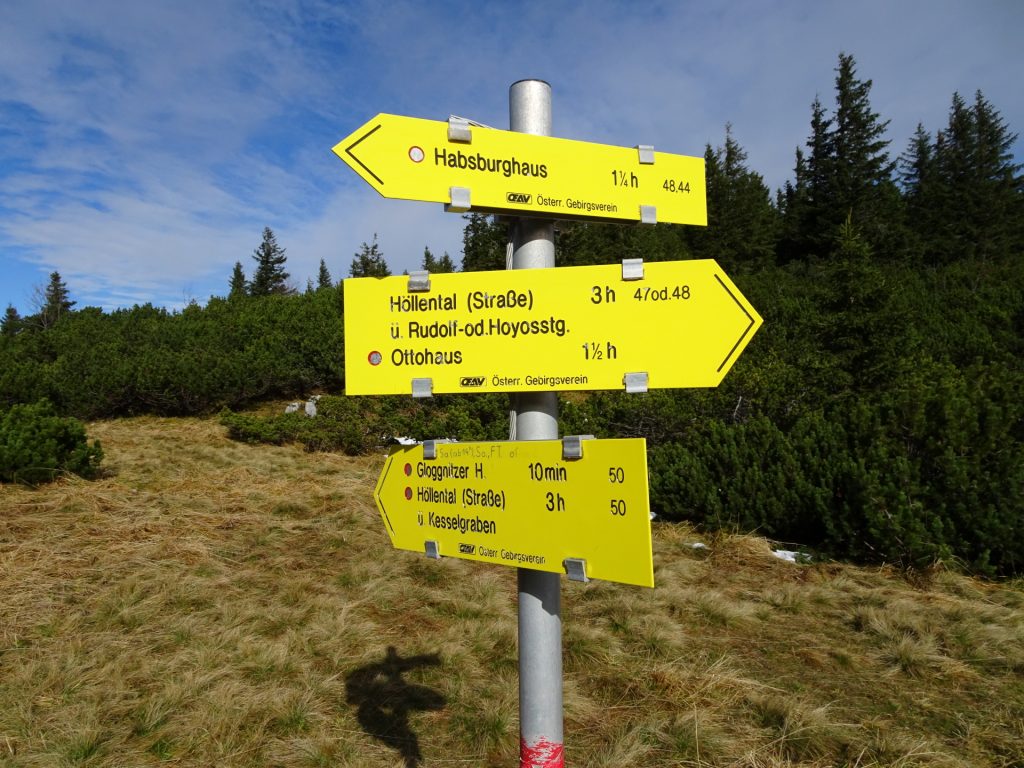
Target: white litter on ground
x,y
788,555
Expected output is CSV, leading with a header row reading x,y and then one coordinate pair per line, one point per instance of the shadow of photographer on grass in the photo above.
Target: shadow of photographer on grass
x,y
384,701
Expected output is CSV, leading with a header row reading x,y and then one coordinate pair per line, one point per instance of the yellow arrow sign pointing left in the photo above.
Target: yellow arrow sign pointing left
x,y
522,504
503,171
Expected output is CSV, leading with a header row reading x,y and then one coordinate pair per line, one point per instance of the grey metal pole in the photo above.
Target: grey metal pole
x,y
535,417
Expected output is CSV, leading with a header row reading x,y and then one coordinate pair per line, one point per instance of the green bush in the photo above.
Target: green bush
x,y
145,359
339,426
37,445
929,470
359,425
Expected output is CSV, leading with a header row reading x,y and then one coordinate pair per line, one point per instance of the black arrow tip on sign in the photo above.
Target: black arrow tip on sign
x,y
380,495
354,144
745,331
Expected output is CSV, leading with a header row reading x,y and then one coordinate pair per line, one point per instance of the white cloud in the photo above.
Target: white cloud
x,y
403,229
143,146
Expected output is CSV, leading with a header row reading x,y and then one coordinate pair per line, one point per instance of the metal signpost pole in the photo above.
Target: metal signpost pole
x,y
535,417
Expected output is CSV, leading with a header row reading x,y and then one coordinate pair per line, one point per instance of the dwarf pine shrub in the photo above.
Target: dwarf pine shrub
x,y
37,445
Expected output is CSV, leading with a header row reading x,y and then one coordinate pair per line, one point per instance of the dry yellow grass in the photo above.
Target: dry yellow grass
x,y
211,603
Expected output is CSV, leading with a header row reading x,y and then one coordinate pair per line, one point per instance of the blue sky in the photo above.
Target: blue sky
x,y
145,145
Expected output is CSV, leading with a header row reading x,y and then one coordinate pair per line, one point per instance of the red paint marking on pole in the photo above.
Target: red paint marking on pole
x,y
543,754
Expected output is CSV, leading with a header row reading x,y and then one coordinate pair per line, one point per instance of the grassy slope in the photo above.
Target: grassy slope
x,y
211,603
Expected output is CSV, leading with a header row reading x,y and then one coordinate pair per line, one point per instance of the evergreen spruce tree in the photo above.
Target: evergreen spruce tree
x,y
484,243
582,243
817,213
791,202
429,263
369,261
917,174
435,265
916,165
849,172
862,172
238,286
11,323
954,150
269,276
741,221
964,193
980,188
56,301
323,278
855,293
1000,186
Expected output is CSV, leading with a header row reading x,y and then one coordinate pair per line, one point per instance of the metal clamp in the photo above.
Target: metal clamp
x,y
572,446
460,200
419,282
648,214
576,569
430,447
422,387
635,382
632,269
646,152
458,129
433,550
470,121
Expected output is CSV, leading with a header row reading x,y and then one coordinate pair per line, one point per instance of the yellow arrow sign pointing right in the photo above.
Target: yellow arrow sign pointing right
x,y
684,324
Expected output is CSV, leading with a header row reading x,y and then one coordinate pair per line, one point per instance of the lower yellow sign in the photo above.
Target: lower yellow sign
x,y
522,504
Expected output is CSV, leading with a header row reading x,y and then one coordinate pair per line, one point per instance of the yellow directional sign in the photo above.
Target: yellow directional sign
x,y
504,171
682,324
522,504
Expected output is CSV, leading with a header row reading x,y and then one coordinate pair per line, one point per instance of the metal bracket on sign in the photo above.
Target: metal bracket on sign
x,y
632,269
430,447
648,214
460,200
468,121
432,549
422,387
576,569
419,282
635,382
572,446
458,129
646,152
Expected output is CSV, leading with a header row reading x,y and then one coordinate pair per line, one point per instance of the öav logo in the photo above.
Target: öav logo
x,y
518,197
467,549
471,381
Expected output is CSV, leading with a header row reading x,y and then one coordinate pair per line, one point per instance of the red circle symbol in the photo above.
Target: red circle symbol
x,y
408,494
375,358
408,469
416,154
